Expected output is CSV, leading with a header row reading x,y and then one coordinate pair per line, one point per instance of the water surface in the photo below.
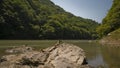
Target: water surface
x,y
98,56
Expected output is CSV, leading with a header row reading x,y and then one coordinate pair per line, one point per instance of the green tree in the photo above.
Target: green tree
x,y
42,19
112,20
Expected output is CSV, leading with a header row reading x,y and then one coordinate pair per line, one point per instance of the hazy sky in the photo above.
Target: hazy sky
x,y
92,9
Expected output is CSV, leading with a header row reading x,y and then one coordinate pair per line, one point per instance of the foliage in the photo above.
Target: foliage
x,y
42,19
112,21
114,35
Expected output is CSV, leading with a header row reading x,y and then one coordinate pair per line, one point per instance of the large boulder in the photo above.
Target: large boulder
x,y
58,56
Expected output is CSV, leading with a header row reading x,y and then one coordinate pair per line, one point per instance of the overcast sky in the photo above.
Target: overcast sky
x,y
92,9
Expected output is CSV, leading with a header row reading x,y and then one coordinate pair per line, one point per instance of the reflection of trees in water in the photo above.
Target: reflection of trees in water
x,y
92,50
95,57
98,62
93,53
111,56
90,47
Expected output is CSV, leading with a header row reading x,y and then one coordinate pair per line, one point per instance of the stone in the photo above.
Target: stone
x,y
20,49
61,55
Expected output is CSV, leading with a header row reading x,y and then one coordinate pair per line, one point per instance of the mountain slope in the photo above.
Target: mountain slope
x,y
110,28
42,19
112,20
112,38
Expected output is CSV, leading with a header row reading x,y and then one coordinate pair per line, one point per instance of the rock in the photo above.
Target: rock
x,y
65,55
20,49
58,56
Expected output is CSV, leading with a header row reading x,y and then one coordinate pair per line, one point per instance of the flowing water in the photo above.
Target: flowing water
x,y
98,56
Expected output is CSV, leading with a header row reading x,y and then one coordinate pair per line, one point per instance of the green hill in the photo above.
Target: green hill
x,y
110,27
112,38
42,19
112,20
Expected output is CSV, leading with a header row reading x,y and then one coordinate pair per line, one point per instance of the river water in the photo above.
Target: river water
x,y
98,56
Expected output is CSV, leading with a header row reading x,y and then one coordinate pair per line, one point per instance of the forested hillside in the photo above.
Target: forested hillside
x,y
112,20
42,19
112,38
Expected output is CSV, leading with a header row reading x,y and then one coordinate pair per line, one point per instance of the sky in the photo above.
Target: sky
x,y
91,9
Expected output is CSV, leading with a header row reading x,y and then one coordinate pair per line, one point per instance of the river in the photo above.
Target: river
x,y
98,56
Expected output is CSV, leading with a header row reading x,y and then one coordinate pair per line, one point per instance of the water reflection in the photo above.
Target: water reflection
x,y
98,62
111,56
100,56
94,55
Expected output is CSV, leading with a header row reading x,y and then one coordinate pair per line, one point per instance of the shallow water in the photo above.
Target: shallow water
x,y
98,56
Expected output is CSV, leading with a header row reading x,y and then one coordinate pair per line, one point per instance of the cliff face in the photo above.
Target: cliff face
x,y
42,19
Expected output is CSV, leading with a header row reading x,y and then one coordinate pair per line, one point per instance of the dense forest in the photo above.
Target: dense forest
x,y
42,19
112,21
109,30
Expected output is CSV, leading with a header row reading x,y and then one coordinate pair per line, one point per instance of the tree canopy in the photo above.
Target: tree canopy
x,y
42,19
112,20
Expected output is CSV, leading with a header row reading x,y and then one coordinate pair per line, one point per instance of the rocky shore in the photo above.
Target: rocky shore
x,y
58,56
112,38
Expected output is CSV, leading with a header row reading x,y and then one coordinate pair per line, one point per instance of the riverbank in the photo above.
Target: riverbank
x,y
112,38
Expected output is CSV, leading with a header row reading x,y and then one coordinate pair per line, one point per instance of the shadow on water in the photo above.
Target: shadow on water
x,y
98,56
